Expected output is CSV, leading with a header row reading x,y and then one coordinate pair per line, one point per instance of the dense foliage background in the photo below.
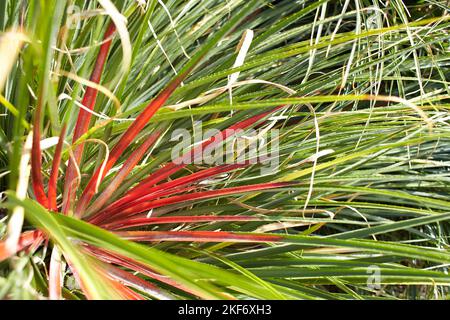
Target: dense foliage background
x,y
358,208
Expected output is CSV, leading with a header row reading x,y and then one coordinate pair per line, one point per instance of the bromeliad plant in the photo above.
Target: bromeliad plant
x,y
110,214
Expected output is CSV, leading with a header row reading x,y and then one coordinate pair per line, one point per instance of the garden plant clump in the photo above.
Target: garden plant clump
x,y
240,149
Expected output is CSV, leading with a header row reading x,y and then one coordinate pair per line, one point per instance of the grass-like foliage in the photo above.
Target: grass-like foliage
x,y
94,205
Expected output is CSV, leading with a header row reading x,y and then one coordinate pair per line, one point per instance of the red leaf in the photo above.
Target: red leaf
x,y
196,236
172,168
128,166
146,193
146,206
36,159
52,183
54,276
26,239
137,267
84,117
144,221
126,139
114,287
134,130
